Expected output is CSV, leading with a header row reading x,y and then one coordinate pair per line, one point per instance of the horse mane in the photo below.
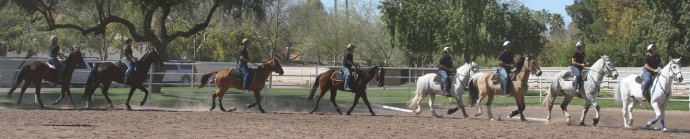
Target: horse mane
x,y
520,63
367,75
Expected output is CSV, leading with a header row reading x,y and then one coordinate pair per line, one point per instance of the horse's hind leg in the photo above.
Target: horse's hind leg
x,y
479,104
333,94
129,96
432,97
357,95
564,107
488,107
213,100
21,94
220,102
318,100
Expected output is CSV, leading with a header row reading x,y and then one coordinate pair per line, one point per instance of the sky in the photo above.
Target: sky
x,y
553,6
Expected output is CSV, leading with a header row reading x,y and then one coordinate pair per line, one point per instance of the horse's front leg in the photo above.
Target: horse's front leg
x,y
357,95
333,94
584,113
432,97
366,102
460,105
63,90
146,94
257,96
129,97
657,112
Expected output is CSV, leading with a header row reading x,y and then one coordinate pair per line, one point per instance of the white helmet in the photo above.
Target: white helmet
x,y
53,38
651,47
350,46
446,49
579,44
245,41
507,43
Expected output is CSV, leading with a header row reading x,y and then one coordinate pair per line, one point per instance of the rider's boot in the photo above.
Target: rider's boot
x,y
646,95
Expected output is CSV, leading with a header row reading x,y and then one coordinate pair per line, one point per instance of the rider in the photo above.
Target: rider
x,y
244,59
129,58
505,66
348,62
54,53
651,68
445,69
578,64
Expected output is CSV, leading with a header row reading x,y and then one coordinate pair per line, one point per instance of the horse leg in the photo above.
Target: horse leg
x,y
213,100
458,100
146,94
318,100
129,96
432,97
630,112
21,94
564,107
62,95
366,102
520,101
549,104
354,104
625,110
662,125
657,111
479,104
488,107
38,94
104,91
257,96
220,101
595,121
333,93
584,112
71,101
418,110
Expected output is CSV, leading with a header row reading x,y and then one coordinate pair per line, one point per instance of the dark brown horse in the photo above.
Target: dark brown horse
x,y
38,71
223,83
104,74
359,87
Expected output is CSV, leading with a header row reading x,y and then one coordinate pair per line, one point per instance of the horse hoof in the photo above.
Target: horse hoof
x,y
129,109
477,115
451,111
665,130
373,114
465,116
492,119
232,109
595,122
582,123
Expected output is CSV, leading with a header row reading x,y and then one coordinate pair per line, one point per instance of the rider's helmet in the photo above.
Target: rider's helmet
x,y
507,44
53,38
245,41
651,47
349,46
580,44
447,49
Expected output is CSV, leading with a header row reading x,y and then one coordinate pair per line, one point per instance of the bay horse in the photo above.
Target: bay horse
x,y
603,67
104,74
38,71
426,86
661,91
223,83
359,86
484,86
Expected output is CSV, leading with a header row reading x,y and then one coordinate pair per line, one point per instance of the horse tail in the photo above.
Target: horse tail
x,y
555,84
314,87
473,96
19,79
617,92
412,103
90,83
205,77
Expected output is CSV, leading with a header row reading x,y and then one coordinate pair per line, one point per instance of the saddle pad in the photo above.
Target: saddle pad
x,y
338,76
237,74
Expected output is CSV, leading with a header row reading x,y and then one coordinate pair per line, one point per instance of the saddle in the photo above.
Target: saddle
x,y
338,76
123,66
569,76
236,74
639,79
496,78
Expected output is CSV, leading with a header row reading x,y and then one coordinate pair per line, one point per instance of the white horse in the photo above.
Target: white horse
x,y
603,67
660,89
426,86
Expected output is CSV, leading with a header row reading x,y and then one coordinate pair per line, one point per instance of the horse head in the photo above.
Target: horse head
x,y
531,65
151,58
468,69
380,76
609,67
274,65
675,70
75,58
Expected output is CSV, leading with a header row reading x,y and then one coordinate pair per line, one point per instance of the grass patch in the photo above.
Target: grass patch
x,y
176,96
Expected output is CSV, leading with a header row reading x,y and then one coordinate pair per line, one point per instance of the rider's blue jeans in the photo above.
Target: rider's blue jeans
x,y
245,75
348,76
446,80
130,67
60,67
647,80
505,79
578,78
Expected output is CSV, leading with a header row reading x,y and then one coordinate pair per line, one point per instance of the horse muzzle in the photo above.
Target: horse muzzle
x,y
679,79
539,73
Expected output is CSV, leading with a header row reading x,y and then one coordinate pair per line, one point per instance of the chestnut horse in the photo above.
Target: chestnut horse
x,y
223,83
104,74
37,71
483,86
358,86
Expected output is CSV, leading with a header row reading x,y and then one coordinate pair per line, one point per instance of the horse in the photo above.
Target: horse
x,y
603,67
223,83
484,86
104,74
427,86
629,88
359,86
38,71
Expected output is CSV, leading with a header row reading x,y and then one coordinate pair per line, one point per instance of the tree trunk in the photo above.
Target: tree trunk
x,y
158,78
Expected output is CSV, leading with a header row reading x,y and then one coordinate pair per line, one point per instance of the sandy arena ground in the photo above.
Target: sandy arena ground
x,y
197,122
